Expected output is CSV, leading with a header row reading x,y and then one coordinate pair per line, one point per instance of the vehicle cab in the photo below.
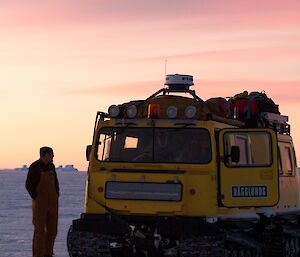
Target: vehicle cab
x,y
173,175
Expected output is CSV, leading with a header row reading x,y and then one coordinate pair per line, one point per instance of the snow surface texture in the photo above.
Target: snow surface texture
x,y
16,229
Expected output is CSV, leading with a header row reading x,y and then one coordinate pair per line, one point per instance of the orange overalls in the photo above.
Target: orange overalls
x,y
45,215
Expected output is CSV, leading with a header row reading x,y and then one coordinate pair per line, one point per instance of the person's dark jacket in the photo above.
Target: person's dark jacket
x,y
33,176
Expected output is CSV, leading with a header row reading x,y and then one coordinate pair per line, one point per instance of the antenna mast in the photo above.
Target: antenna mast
x,y
166,61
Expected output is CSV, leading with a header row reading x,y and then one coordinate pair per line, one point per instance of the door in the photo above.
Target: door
x,y
248,168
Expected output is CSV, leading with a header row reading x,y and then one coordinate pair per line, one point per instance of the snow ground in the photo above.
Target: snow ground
x,y
16,228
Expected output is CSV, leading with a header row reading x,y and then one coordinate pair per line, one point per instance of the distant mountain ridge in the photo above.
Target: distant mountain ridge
x,y
67,168
60,168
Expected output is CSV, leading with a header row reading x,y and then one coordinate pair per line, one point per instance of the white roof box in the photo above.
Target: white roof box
x,y
276,121
274,118
177,79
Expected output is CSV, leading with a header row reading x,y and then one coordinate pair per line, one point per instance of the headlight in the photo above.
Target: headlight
x,y
113,111
190,111
172,112
131,111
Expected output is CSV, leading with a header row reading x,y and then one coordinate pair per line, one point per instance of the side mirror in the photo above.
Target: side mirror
x,y
235,153
88,151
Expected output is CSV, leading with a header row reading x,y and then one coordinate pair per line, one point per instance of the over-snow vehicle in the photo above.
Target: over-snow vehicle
x,y
176,176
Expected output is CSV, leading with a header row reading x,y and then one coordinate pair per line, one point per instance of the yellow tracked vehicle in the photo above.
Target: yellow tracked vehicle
x,y
174,176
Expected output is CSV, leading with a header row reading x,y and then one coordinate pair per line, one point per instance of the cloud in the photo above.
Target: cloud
x,y
204,13
135,89
282,92
254,54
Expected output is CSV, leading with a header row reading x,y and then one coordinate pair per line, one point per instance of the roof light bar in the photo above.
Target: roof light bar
x,y
113,111
172,112
190,111
131,111
153,111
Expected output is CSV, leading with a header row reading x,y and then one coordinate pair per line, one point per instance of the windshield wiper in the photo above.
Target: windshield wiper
x,y
122,129
183,125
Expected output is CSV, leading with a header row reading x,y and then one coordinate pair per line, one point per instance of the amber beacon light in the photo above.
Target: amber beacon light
x,y
153,111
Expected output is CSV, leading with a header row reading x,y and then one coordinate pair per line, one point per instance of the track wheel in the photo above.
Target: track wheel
x,y
234,253
291,246
244,252
247,253
257,254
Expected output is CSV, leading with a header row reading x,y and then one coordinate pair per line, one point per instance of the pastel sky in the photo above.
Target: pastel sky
x,y
62,61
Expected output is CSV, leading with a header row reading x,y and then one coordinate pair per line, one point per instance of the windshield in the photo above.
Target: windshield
x,y
168,145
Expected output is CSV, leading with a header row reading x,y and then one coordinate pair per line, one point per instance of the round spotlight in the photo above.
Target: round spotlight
x,y
190,111
172,112
113,111
131,111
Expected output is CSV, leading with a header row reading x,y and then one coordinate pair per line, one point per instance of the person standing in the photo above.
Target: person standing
x,y
43,187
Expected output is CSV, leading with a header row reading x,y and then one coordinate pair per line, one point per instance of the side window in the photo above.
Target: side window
x,y
254,148
288,160
280,170
242,143
104,145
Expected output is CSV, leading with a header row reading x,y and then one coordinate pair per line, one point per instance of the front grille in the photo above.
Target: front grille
x,y
143,191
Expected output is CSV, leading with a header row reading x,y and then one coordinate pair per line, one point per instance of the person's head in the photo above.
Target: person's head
x,y
46,154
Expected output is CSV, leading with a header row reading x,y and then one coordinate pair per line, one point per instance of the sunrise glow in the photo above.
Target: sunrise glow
x,y
62,61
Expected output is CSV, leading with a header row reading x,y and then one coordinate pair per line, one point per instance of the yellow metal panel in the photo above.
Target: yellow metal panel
x,y
202,180
249,186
